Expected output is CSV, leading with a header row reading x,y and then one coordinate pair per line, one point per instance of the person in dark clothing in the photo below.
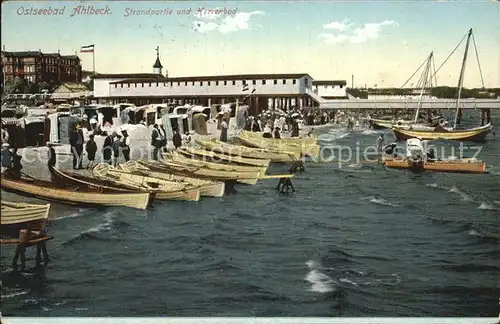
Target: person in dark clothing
x,y
431,154
51,162
116,148
76,142
15,170
6,157
254,125
107,148
295,128
176,139
156,141
91,149
223,131
125,146
277,134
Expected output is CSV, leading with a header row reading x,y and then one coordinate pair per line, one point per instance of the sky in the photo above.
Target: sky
x,y
380,43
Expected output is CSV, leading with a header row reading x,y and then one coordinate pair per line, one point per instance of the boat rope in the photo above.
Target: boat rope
x,y
465,36
434,71
414,73
477,58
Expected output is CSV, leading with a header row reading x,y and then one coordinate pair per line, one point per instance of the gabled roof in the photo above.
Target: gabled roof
x,y
74,87
235,77
129,76
329,82
139,80
157,64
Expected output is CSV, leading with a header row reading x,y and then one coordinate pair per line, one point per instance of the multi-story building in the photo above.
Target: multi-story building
x,y
36,67
330,89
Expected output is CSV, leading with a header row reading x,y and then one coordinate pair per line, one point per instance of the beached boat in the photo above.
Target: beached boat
x,y
207,188
249,152
18,216
213,157
182,159
459,165
73,194
312,150
312,139
201,172
162,189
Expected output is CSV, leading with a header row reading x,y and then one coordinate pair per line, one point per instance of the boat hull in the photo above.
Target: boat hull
x,y
203,153
248,152
49,191
472,135
458,166
18,216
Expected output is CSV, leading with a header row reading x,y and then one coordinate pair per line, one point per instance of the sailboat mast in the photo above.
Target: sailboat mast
x,y
425,80
461,79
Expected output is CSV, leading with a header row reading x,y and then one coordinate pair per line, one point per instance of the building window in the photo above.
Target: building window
x,y
263,81
121,85
193,82
157,84
294,81
164,84
128,85
244,82
201,83
234,82
208,82
225,83
115,85
341,86
254,82
275,81
306,82
142,85
171,83
186,83
284,81
216,83
135,85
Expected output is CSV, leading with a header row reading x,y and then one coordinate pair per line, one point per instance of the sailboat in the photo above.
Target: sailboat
x,y
425,81
477,134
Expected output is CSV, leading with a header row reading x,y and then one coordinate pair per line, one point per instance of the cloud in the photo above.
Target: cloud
x,y
369,31
338,25
238,21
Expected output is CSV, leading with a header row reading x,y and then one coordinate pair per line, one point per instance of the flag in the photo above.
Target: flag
x,y
87,49
245,88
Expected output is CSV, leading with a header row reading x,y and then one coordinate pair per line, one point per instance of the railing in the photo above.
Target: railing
x,y
409,104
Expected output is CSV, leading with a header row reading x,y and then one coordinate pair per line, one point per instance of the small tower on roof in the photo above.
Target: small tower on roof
x,y
157,66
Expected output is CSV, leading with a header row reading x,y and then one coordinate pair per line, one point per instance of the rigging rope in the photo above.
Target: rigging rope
x,y
414,73
477,57
434,71
465,36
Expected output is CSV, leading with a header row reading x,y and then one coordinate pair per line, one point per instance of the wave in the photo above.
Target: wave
x,y
486,206
320,282
465,197
380,201
369,132
109,224
14,294
78,213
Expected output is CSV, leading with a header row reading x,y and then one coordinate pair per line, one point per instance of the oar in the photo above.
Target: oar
x,y
277,176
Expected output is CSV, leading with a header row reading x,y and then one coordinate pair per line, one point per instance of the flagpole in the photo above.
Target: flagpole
x,y
93,59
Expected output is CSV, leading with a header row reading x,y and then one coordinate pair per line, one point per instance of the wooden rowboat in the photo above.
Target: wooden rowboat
x,y
75,195
312,150
249,152
313,139
194,161
213,156
163,189
477,134
200,172
459,166
207,188
18,216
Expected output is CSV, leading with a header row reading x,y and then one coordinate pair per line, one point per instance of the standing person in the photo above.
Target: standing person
x,y
76,142
5,136
223,132
295,128
52,158
116,148
177,139
380,145
163,139
16,166
126,145
91,149
6,157
107,148
277,134
156,142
